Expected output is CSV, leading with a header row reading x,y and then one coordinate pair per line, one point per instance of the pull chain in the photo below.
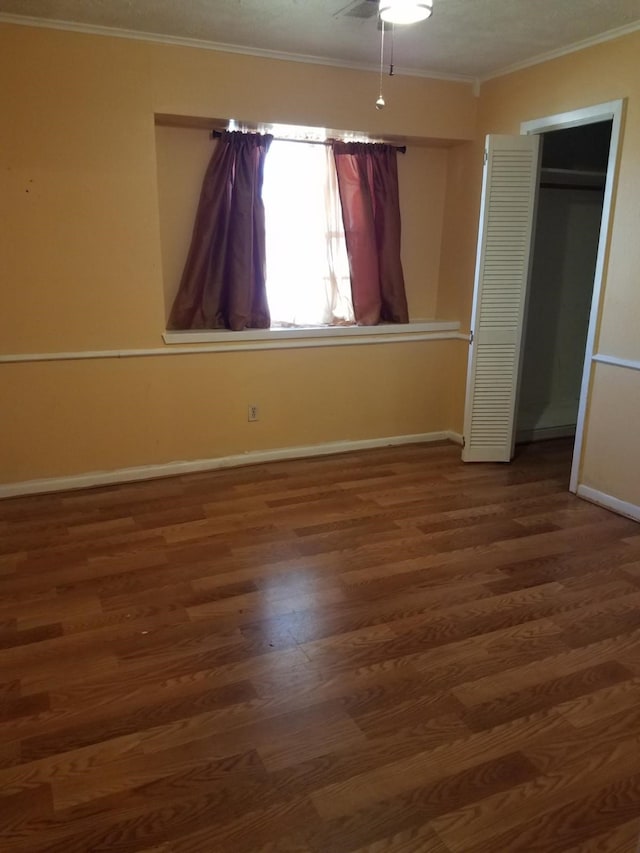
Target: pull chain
x,y
393,40
380,102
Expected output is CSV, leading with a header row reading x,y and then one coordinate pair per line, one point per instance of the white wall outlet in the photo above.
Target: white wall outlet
x,y
252,414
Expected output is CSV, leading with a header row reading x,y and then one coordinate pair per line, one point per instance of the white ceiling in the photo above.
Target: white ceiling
x,y
473,38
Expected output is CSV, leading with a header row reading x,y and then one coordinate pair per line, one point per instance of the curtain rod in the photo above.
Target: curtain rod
x,y
216,134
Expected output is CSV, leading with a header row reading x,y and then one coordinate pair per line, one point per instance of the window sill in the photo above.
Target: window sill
x,y
278,338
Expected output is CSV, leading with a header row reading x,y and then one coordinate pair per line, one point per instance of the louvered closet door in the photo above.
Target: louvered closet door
x,y
502,269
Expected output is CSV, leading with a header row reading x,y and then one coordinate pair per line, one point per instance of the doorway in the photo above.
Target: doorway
x,y
510,189
610,113
567,230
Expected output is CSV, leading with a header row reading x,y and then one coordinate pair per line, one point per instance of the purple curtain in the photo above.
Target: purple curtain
x,y
368,183
223,283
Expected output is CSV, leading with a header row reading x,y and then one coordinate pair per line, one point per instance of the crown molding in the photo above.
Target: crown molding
x,y
202,44
220,47
609,35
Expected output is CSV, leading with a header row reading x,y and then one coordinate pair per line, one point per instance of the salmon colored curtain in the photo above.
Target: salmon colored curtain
x,y
223,283
368,183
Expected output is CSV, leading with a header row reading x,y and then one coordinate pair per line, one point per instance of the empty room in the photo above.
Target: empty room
x,y
319,458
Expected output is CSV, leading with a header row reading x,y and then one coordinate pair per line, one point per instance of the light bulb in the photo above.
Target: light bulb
x,y
380,103
405,11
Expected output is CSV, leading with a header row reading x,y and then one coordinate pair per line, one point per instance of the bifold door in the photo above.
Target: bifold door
x,y
509,190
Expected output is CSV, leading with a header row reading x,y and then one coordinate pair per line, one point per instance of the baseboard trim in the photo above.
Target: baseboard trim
x,y
254,457
544,433
609,502
454,437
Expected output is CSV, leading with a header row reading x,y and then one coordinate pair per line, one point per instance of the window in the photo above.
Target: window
x,y
308,279
320,272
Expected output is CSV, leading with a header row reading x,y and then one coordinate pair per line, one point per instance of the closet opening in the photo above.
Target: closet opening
x,y
568,220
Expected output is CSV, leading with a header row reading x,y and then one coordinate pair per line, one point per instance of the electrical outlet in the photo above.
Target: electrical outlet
x,y
252,413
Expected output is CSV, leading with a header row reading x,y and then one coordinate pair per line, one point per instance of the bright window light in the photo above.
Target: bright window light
x,y
308,282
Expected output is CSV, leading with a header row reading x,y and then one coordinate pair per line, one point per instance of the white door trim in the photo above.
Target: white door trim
x,y
609,111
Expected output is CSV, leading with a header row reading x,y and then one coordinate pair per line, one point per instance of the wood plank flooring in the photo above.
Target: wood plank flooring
x,y
381,651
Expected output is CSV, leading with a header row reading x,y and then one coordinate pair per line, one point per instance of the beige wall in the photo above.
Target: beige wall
x,y
612,460
81,255
457,261
80,416
81,258
609,71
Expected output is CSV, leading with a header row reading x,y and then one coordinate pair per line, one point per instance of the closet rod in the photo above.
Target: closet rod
x,y
549,185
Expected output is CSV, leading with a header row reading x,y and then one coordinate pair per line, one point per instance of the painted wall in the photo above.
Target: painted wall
x,y
605,72
81,259
457,261
82,416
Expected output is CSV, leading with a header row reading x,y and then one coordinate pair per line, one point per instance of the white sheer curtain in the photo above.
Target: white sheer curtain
x,y
308,281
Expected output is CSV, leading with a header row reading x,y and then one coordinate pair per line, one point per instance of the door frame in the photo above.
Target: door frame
x,y
609,111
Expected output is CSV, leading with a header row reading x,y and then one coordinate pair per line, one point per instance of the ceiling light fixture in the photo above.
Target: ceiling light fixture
x,y
392,12
405,11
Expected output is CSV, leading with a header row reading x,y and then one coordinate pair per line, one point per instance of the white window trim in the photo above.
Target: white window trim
x,y
199,343
299,336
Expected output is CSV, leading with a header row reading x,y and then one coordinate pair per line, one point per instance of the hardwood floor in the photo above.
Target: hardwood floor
x,y
382,651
